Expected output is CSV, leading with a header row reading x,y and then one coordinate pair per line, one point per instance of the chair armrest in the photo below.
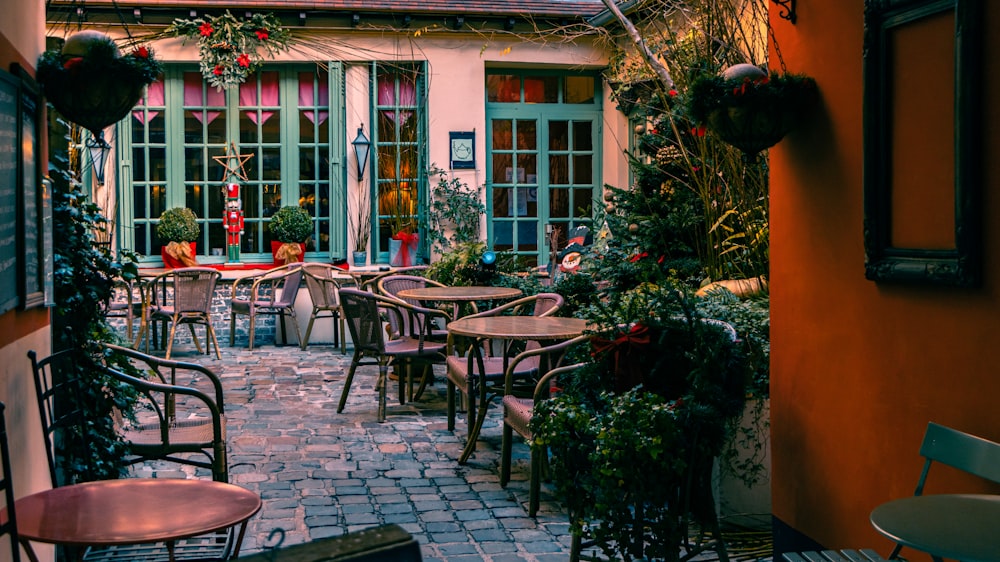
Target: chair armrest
x,y
542,386
157,366
557,351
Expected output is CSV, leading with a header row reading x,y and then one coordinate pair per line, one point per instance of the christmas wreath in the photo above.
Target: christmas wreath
x,y
231,49
91,83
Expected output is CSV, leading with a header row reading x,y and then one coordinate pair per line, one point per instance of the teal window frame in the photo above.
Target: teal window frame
x,y
304,168
388,149
520,226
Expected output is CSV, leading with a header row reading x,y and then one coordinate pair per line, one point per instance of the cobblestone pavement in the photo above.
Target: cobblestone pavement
x,y
322,474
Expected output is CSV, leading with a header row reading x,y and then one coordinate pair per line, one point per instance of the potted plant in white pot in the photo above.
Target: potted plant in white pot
x,y
179,230
290,228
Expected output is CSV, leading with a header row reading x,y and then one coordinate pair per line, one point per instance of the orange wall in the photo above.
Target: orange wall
x,y
858,368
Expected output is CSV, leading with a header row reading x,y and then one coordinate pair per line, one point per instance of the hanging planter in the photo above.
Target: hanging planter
x,y
750,109
232,49
91,83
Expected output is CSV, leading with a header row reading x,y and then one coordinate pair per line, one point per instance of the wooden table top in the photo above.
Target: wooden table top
x,y
132,511
519,327
953,526
459,294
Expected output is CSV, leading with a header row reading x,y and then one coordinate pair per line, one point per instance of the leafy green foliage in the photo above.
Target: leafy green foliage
x,y
83,278
101,57
634,433
291,224
178,224
455,208
709,92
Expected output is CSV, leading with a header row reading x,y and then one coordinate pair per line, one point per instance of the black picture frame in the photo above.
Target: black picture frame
x,y
959,265
462,150
10,259
34,201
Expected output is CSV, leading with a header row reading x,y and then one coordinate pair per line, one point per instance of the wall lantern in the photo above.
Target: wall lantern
x,y
98,149
361,148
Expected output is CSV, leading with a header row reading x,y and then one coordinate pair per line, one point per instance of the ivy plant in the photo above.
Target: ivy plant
x,y
455,212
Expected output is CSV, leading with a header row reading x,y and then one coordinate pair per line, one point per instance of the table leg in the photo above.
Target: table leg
x,y
470,445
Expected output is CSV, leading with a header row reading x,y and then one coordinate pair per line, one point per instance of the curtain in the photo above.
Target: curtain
x,y
268,96
154,96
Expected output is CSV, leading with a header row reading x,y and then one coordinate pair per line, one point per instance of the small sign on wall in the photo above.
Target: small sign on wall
x,y
463,150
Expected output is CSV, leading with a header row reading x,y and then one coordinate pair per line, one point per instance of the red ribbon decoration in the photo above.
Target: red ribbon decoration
x,y
621,349
406,239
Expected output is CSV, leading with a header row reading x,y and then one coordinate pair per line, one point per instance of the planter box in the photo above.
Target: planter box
x,y
736,502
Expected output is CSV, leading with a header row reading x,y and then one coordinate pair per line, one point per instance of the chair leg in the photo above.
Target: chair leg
x,y
505,454
253,322
284,331
210,336
534,480
194,337
380,386
342,337
232,329
347,381
309,328
295,326
170,342
450,393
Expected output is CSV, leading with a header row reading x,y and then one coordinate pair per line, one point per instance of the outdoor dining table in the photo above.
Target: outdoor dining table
x,y
510,329
133,511
460,295
954,526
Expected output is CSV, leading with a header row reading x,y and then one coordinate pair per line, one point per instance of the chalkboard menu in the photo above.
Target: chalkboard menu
x,y
32,235
9,262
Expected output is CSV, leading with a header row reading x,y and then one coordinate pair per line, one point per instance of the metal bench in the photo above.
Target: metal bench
x,y
863,555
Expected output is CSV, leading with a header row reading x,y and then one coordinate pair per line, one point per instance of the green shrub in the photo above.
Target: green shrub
x,y
291,224
178,224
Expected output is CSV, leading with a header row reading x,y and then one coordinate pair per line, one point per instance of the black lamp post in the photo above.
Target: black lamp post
x,y
362,146
98,148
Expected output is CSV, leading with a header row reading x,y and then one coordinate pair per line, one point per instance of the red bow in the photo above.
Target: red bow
x,y
406,240
623,347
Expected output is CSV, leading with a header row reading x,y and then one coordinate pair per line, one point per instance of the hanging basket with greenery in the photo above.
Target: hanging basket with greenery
x,y
748,108
91,83
230,48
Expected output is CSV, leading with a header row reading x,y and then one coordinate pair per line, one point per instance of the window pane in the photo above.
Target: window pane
x,y
193,199
216,128
138,164
502,139
559,203
158,164
271,165
583,168
527,133
527,167
503,236
579,89
139,202
541,89
583,203
559,169
503,88
157,129
307,165
193,164
582,139
307,130
503,204
527,236
158,202
193,128
503,170
558,135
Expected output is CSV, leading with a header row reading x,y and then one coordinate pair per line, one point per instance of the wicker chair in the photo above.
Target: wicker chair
x,y
465,372
323,281
184,296
517,411
127,301
363,312
174,423
273,293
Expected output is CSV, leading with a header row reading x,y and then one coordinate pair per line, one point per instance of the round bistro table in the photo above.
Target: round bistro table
x,y
460,295
954,526
509,329
134,511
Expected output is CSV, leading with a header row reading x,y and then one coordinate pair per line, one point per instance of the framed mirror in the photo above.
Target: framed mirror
x,y
922,166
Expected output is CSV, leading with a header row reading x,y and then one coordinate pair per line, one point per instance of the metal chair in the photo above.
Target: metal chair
x,y
466,372
173,423
323,281
184,296
956,449
8,517
517,411
363,311
271,293
127,301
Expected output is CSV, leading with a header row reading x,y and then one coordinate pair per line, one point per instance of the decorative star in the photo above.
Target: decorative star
x,y
233,168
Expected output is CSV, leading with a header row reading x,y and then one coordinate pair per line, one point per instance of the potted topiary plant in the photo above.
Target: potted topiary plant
x,y
290,228
179,228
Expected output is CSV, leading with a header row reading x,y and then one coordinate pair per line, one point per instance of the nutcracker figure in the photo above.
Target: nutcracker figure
x,y
232,220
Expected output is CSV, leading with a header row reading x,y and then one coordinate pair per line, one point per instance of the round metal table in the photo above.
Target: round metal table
x,y
954,526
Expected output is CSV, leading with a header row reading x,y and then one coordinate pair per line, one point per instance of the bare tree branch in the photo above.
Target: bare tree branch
x,y
647,55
